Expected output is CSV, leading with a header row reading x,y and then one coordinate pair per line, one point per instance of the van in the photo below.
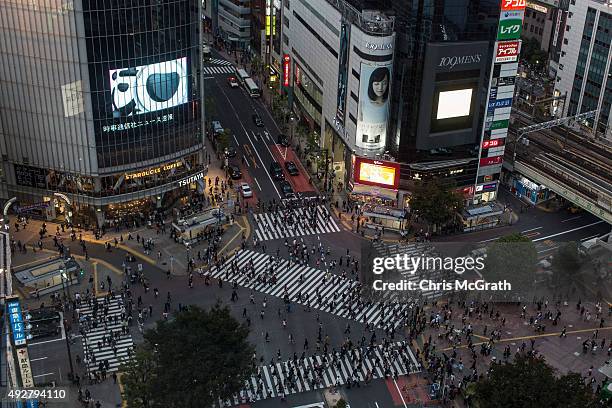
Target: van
x,y
217,128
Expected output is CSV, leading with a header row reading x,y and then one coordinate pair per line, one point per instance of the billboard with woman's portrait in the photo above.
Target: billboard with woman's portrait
x,y
374,94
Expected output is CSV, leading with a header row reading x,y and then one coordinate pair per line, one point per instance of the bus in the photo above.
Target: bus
x,y
242,75
251,88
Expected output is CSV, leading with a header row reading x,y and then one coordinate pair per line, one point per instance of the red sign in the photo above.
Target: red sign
x,y
286,69
490,161
376,173
508,51
488,144
513,5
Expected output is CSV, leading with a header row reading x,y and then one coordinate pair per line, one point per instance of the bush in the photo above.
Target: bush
x,y
341,403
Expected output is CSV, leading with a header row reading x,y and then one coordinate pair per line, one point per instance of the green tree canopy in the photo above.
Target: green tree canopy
x,y
530,382
512,258
192,361
437,203
566,265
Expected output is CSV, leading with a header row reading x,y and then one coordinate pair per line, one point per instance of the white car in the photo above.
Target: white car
x,y
246,191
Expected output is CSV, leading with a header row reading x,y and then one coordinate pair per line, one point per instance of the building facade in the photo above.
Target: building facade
x,y
234,19
101,113
585,66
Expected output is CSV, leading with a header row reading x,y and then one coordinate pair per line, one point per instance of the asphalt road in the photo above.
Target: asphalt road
x,y
234,109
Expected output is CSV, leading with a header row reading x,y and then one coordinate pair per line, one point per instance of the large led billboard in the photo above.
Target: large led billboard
x,y
376,173
148,88
454,104
374,92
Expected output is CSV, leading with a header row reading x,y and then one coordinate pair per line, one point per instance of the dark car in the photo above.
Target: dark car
x,y
257,120
292,168
286,189
230,151
234,171
283,140
276,171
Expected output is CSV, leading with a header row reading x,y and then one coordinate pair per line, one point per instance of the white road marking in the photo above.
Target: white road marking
x,y
491,239
573,218
42,375
236,139
37,359
251,142
592,236
568,231
44,342
548,249
400,393
257,182
532,229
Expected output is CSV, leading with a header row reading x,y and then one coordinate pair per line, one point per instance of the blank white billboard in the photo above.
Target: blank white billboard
x,y
454,104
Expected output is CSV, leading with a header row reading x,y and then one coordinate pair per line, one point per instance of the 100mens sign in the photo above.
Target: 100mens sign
x,y
452,62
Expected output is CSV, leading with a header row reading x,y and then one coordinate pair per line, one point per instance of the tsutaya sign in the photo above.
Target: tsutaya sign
x,y
191,179
452,62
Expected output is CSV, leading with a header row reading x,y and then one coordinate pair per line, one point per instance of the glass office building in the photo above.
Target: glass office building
x,y
101,111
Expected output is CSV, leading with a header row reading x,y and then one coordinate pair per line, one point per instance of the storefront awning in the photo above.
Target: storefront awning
x,y
374,191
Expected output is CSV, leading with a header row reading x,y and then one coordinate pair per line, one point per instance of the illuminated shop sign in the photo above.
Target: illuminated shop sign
x,y
510,29
137,123
489,161
537,7
500,103
286,69
513,5
508,51
148,88
489,144
154,170
377,173
484,188
191,179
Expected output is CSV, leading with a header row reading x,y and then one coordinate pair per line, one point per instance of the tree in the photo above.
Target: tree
x,y
512,258
192,361
530,382
438,204
566,265
223,139
531,52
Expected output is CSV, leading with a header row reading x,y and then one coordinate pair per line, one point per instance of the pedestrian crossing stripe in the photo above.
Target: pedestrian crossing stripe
x,y
297,375
271,225
218,70
336,295
217,61
124,344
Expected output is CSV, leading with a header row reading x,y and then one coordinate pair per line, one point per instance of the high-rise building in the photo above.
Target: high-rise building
x,y
100,114
585,66
234,17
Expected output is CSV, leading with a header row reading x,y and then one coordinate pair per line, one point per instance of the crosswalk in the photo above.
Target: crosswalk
x,y
324,371
218,61
96,349
294,222
224,69
314,288
415,249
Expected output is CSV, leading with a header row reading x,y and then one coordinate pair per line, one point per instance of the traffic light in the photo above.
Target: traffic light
x,y
81,272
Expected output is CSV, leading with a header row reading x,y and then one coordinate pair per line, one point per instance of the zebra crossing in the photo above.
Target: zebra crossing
x,y
323,371
95,348
314,288
293,222
415,250
218,70
216,66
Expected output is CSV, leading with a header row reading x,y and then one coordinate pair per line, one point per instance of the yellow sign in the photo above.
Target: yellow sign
x,y
537,7
154,170
377,174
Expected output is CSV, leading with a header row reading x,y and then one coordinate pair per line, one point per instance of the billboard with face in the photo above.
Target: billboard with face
x,y
148,88
374,89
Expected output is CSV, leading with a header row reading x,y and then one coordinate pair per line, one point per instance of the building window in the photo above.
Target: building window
x,y
286,21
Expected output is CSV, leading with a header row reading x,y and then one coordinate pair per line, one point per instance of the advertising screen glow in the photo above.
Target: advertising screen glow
x,y
454,104
374,86
376,172
148,88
